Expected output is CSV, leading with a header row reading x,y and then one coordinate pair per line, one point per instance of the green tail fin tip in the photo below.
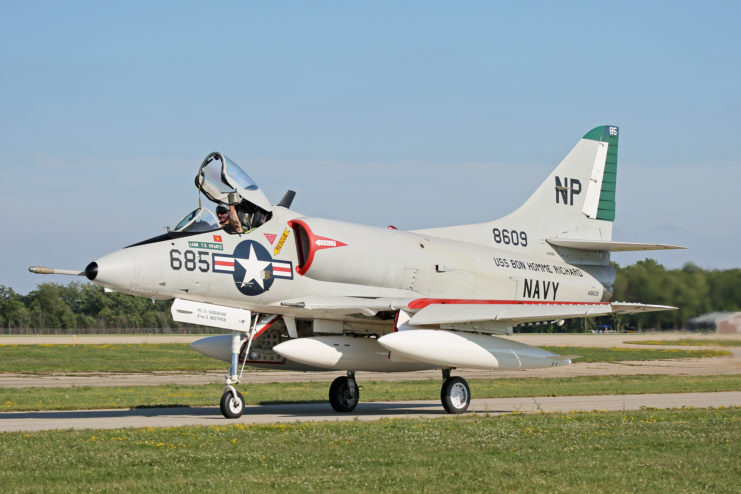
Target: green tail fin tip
x,y
610,135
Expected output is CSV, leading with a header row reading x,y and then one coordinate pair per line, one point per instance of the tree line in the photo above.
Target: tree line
x,y
83,307
693,290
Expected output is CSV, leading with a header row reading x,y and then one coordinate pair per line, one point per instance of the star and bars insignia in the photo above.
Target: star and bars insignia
x,y
252,267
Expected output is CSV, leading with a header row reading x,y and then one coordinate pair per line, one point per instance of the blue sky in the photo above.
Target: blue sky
x,y
416,114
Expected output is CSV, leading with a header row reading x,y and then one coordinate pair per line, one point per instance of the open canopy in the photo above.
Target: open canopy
x,y
219,176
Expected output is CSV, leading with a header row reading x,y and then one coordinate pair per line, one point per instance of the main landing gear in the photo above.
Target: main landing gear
x,y
344,393
455,393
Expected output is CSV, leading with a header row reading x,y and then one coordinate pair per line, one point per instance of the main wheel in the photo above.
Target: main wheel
x,y
343,394
232,408
455,395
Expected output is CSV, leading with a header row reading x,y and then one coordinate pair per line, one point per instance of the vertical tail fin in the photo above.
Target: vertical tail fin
x,y
576,201
578,197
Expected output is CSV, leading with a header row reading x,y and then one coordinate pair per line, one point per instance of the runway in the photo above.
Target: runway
x,y
263,414
260,414
675,367
691,367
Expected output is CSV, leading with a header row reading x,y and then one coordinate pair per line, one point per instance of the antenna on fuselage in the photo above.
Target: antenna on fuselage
x,y
287,199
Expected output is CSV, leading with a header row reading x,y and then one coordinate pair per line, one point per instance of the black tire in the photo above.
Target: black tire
x,y
344,395
455,395
232,408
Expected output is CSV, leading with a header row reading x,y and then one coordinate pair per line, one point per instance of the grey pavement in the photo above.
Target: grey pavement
x,y
261,414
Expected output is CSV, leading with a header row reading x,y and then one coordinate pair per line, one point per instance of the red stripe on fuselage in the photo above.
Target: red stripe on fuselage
x,y
421,303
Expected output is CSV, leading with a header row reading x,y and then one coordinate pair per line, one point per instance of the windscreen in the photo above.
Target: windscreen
x,y
198,220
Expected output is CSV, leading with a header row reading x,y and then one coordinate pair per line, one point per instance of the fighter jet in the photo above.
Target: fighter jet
x,y
305,293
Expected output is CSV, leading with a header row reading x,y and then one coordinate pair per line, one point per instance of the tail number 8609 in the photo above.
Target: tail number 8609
x,y
510,237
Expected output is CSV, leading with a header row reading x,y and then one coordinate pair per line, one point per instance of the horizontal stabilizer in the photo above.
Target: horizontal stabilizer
x,y
605,245
631,308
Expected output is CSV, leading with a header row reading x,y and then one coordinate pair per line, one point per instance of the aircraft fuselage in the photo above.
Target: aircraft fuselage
x,y
262,269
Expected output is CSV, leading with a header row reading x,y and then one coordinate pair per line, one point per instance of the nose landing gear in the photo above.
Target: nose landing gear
x,y
232,403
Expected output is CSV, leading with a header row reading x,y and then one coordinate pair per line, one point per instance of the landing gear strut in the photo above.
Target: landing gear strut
x,y
455,393
344,393
232,401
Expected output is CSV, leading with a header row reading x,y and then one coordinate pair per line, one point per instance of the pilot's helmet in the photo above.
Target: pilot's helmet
x,y
222,209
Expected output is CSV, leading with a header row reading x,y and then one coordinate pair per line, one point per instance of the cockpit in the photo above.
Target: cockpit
x,y
223,182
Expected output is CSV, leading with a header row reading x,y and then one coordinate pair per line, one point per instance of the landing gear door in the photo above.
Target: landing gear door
x,y
218,176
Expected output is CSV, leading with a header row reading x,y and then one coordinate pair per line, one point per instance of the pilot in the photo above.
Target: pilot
x,y
228,219
251,215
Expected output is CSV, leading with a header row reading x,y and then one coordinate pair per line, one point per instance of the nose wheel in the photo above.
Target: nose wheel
x,y
232,403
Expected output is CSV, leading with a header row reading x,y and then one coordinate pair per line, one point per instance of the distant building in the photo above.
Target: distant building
x,y
731,324
720,322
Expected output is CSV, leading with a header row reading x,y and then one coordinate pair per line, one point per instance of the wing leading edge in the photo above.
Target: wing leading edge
x,y
465,315
499,318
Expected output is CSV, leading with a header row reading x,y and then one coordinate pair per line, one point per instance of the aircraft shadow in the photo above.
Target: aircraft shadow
x,y
363,409
117,413
280,410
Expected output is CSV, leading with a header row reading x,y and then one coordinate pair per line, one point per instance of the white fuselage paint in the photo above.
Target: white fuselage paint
x,y
375,262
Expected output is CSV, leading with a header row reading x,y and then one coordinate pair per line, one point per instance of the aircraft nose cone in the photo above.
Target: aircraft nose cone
x,y
116,270
91,271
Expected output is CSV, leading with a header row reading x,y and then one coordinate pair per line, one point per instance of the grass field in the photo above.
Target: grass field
x,y
639,451
41,359
689,342
590,354
80,398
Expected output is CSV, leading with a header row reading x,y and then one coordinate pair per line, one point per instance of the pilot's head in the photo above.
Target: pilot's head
x,y
222,211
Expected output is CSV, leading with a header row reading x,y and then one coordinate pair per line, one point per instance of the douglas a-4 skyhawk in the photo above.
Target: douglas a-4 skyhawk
x,y
304,293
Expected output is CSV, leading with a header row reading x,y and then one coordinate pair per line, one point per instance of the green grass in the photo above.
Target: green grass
x,y
80,398
685,450
590,354
45,359
689,342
